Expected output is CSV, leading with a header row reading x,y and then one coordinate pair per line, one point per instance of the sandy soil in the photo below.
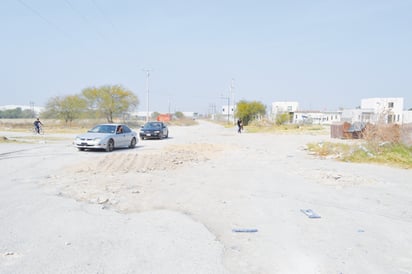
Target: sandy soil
x,y
173,206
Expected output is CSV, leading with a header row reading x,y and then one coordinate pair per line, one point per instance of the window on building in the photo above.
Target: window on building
x,y
390,105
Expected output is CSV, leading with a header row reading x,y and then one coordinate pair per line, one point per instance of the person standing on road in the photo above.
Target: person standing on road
x,y
37,125
239,126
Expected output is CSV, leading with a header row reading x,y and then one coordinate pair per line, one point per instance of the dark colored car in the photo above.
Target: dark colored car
x,y
154,130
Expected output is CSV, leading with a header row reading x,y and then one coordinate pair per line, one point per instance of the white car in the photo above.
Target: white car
x,y
107,137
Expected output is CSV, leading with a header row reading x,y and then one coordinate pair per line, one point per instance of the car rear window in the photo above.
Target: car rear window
x,y
155,125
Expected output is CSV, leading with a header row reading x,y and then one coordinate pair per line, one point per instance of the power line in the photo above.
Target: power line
x,y
44,18
85,19
104,14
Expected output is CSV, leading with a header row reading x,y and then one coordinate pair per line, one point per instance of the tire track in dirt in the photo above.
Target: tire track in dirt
x,y
170,158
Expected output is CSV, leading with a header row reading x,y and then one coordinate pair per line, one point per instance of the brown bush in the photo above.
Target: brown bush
x,y
406,134
379,134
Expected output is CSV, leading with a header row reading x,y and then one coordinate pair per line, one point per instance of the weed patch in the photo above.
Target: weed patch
x,y
398,155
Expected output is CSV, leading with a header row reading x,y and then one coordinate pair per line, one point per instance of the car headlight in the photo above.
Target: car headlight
x,y
157,131
97,140
77,139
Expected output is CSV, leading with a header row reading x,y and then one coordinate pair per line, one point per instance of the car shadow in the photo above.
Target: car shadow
x,y
155,139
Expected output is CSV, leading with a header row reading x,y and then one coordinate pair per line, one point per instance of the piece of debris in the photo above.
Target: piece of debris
x,y
310,213
9,253
245,230
337,177
103,201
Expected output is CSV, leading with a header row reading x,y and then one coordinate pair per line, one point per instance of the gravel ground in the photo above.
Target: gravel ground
x,y
177,206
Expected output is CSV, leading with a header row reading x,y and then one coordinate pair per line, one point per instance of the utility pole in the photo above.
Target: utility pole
x,y
232,93
228,106
168,109
32,109
147,90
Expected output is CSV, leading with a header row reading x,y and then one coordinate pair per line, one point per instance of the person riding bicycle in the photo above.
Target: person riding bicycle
x,y
37,125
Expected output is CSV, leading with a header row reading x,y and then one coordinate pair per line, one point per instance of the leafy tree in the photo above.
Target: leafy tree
x,y
66,108
109,101
179,115
248,111
155,115
16,113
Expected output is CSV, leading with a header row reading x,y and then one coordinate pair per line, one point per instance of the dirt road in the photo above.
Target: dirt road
x,y
174,206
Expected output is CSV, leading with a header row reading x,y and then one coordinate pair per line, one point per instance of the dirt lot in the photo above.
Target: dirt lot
x,y
175,206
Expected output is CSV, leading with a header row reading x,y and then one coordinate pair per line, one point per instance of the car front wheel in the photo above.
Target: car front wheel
x,y
132,143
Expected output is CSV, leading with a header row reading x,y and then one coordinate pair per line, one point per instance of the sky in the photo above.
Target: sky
x,y
325,55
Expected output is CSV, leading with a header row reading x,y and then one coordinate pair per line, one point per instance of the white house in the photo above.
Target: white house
x,y
190,114
358,115
284,107
407,117
228,109
316,117
385,110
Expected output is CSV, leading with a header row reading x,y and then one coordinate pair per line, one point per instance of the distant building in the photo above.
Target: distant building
x,y
284,107
228,112
228,108
140,115
190,114
317,117
385,110
407,117
358,115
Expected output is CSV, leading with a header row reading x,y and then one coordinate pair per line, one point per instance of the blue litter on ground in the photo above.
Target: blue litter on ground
x,y
310,213
245,230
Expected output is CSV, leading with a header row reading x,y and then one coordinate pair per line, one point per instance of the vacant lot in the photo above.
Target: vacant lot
x,y
174,206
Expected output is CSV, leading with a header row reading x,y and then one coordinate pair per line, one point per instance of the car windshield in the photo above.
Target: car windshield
x,y
153,125
103,129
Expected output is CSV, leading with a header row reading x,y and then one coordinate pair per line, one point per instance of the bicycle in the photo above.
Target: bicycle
x,y
40,131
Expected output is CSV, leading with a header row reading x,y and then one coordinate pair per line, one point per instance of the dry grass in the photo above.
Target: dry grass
x,y
382,144
265,126
182,122
397,155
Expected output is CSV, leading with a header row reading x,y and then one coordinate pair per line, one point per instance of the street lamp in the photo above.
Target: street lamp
x,y
147,90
